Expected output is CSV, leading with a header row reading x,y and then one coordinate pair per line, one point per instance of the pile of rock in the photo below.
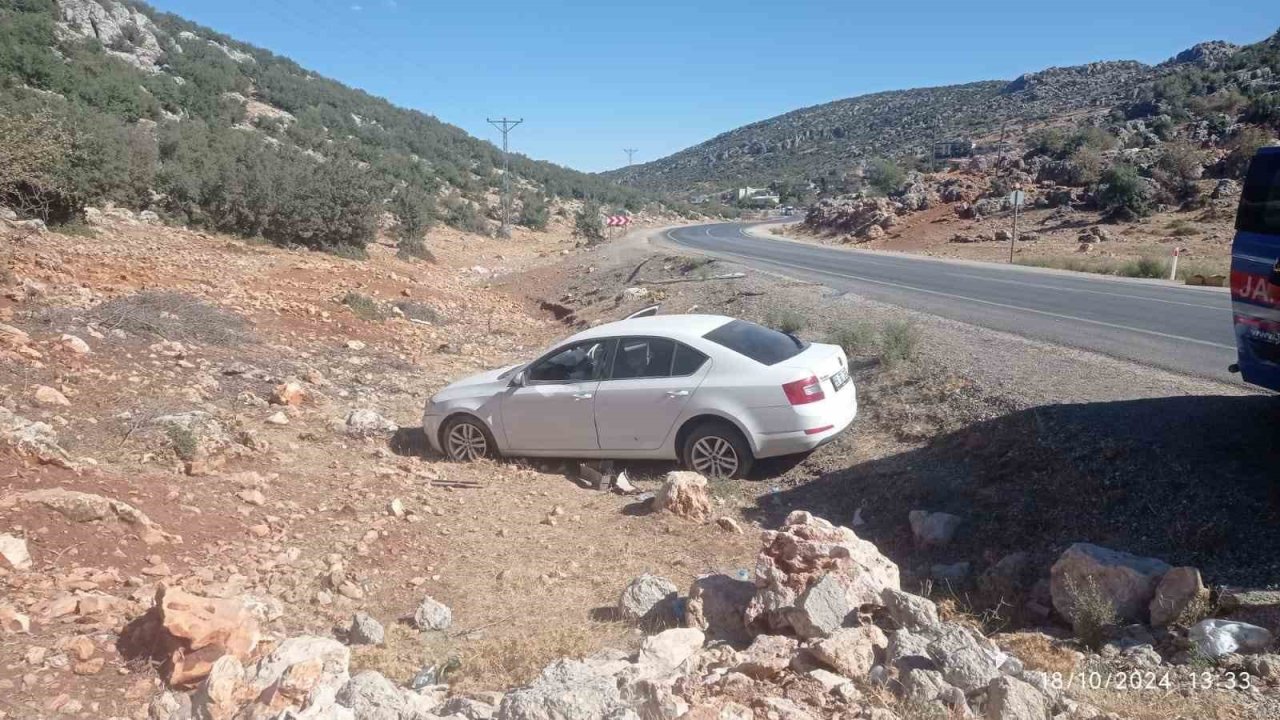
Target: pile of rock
x,y
862,218
823,618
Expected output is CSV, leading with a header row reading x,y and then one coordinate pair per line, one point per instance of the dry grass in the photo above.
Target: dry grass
x,y
1038,651
511,658
171,316
784,319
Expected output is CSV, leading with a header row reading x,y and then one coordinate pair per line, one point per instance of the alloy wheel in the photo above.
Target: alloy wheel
x,y
714,457
467,442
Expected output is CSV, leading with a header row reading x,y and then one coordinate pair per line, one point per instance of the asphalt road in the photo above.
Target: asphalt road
x,y
1175,327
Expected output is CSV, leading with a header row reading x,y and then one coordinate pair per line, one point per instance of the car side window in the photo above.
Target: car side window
x,y
577,363
687,361
643,357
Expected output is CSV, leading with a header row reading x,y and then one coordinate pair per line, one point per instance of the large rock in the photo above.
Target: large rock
x,y
716,605
1009,698
684,494
965,658
1179,594
669,649
1213,637
932,529
767,656
910,611
1087,572
795,558
851,651
649,599
566,690
32,439
370,696
432,615
189,633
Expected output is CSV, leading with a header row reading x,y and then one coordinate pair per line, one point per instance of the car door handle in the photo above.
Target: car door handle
x,y
583,396
677,393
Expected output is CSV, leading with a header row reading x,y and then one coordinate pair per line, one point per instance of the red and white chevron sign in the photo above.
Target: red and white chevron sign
x,y
617,220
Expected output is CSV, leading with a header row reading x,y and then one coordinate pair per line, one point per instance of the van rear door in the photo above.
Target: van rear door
x,y
1255,272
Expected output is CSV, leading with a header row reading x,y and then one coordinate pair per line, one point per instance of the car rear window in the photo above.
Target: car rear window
x,y
765,346
1260,200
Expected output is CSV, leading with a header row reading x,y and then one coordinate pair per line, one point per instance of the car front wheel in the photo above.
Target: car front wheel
x,y
465,439
717,451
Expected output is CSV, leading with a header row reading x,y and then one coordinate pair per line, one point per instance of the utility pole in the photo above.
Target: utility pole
x,y
631,155
506,126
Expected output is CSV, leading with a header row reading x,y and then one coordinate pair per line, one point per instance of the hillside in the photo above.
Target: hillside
x,y
827,145
107,101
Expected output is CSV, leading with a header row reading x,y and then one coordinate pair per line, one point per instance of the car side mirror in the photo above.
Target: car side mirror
x,y
518,379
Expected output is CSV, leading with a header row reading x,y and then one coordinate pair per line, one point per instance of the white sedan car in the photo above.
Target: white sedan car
x,y
713,392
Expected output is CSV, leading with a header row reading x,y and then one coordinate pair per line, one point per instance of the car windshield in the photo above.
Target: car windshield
x,y
765,346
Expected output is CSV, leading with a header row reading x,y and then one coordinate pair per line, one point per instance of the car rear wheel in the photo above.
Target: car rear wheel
x,y
716,450
465,439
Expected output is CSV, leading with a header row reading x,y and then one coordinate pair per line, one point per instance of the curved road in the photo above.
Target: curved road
x,y
1179,328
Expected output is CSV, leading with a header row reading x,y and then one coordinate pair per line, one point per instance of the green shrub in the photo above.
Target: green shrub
x,y
1243,147
462,215
364,307
587,223
1144,267
856,339
899,343
420,311
1123,194
183,441
885,176
1085,166
413,248
1095,615
534,211
414,211
784,319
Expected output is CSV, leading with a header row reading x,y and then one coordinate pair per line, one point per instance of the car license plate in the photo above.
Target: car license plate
x,y
840,379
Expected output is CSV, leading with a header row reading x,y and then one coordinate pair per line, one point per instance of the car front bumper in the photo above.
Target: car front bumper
x,y
431,428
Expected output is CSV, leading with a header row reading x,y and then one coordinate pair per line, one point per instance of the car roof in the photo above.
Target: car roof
x,y
679,327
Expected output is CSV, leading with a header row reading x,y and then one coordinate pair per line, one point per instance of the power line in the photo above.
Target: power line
x,y
631,155
506,126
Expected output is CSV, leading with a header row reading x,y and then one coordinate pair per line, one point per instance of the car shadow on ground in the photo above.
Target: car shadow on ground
x,y
1193,480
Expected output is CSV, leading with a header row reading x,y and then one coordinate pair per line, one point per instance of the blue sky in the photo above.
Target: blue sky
x,y
591,78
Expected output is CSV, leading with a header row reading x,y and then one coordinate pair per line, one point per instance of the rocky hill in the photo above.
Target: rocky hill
x,y
103,101
826,145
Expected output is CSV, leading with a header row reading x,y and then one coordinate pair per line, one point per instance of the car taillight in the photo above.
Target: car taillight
x,y
804,391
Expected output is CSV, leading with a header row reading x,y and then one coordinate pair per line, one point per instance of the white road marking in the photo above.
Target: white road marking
x,y
953,296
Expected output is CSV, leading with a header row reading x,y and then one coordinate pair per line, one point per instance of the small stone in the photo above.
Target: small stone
x,y
252,497
89,667
81,647
1177,595
278,418
75,345
365,630
46,395
932,529
728,524
850,651
432,615
396,508
15,553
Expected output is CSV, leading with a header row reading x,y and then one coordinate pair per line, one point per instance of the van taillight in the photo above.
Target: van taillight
x,y
804,391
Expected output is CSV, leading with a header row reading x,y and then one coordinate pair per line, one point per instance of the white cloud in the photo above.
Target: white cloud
x,y
357,8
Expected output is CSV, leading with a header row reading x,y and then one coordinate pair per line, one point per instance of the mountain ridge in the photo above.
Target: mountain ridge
x,y
822,143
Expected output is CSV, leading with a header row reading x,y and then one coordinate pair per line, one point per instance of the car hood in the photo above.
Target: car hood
x,y
484,383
